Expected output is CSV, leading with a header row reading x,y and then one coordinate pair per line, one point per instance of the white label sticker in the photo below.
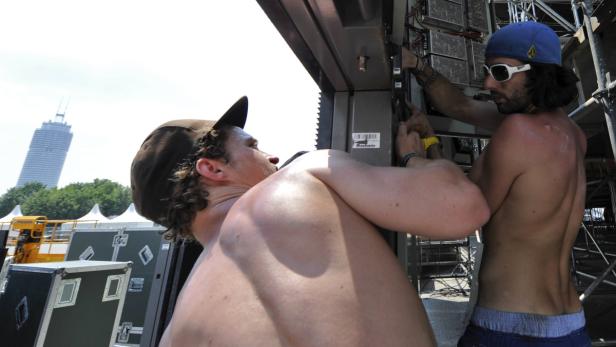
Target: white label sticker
x,y
366,140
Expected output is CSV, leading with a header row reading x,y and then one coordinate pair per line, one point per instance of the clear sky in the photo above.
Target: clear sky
x,y
128,66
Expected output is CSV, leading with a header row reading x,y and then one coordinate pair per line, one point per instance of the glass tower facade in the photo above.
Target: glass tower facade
x,y
47,153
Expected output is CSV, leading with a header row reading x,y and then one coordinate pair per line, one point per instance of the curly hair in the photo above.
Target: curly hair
x,y
189,195
551,86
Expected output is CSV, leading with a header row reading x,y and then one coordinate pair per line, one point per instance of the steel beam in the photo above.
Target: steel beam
x,y
598,248
597,281
554,15
583,274
608,104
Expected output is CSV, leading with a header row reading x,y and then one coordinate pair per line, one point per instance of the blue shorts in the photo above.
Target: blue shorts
x,y
498,328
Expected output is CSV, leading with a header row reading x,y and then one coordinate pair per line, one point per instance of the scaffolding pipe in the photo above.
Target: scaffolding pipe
x,y
609,108
592,194
580,249
532,4
522,13
554,15
612,188
611,86
588,102
591,101
598,248
514,13
597,281
576,17
583,274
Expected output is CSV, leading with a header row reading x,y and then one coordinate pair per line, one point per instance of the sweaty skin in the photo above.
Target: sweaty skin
x,y
296,260
532,175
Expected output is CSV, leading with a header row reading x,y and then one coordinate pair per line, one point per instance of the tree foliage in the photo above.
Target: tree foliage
x,y
17,196
75,200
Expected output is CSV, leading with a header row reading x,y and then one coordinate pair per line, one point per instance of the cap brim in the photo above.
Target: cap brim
x,y
235,115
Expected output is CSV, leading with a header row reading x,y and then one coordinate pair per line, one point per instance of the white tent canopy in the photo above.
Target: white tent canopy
x,y
94,215
92,219
6,220
130,219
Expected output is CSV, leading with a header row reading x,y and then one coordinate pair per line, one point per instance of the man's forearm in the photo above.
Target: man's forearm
x,y
419,162
450,100
444,96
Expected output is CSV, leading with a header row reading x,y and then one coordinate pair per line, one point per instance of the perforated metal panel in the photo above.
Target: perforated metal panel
x,y
477,59
477,16
445,13
447,45
454,70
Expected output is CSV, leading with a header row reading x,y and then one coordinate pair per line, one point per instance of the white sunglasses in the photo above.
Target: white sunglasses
x,y
503,72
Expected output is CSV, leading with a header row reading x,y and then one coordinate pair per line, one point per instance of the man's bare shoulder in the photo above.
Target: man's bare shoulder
x,y
291,195
293,183
521,129
537,137
289,215
290,183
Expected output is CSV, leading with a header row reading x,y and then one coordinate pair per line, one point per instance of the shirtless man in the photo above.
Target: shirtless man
x,y
533,177
293,257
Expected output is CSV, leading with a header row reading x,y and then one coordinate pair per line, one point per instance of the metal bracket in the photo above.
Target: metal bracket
x,y
399,85
145,254
124,333
22,313
120,240
87,254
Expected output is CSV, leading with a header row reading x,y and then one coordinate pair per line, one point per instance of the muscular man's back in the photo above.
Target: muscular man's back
x,y
534,167
295,265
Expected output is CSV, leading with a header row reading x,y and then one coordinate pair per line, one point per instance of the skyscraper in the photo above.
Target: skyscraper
x,y
47,153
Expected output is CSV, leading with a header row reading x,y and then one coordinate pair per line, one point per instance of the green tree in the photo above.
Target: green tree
x,y
17,196
112,197
76,199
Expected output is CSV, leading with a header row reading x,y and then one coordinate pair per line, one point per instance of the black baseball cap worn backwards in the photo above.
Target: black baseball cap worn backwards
x,y
164,150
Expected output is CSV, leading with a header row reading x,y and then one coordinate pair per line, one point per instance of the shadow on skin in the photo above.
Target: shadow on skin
x,y
295,245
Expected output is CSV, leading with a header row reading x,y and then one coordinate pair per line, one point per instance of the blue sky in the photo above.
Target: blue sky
x,y
128,66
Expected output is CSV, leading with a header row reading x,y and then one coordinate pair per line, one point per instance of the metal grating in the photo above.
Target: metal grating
x,y
454,70
477,59
446,45
477,16
444,13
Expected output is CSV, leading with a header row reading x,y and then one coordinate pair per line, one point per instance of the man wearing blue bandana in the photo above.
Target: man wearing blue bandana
x,y
532,175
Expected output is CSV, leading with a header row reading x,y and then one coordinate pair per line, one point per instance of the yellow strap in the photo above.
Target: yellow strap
x,y
429,141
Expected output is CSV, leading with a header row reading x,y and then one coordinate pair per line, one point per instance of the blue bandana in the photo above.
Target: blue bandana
x,y
526,41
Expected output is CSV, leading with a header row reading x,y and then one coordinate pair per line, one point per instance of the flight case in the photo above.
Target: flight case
x,y
63,304
143,247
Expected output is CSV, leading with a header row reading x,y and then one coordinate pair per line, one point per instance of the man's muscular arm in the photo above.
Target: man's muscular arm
x,y
448,99
165,340
430,197
503,161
